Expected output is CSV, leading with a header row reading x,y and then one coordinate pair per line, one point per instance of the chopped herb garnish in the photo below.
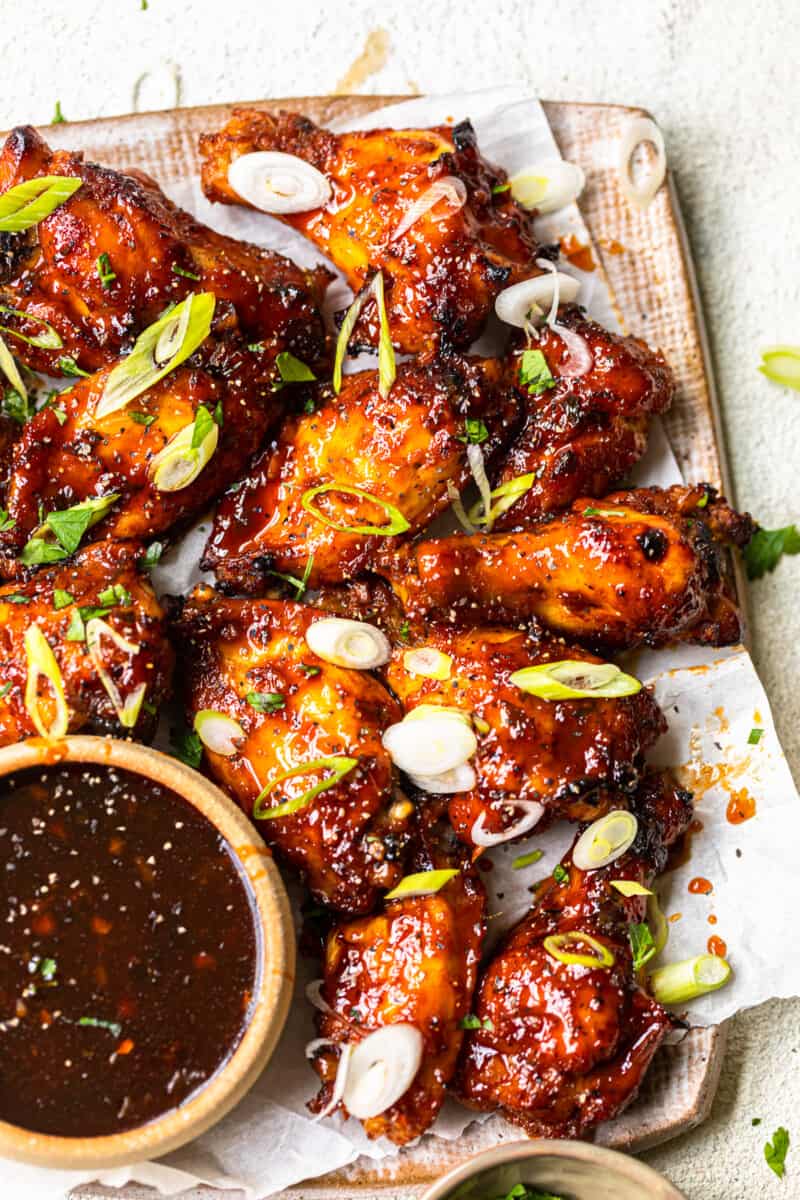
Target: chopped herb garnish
x,y
18,407
4,690
308,670
300,585
203,424
290,369
107,276
186,745
115,594
404,631
142,418
756,1121
256,347
218,414
755,736
526,860
67,366
521,1191
6,522
501,187
767,547
560,873
642,944
62,599
151,556
534,373
98,1023
266,702
76,630
58,116
59,412
176,270
69,525
17,598
47,969
475,432
702,503
775,1151
309,405
471,1021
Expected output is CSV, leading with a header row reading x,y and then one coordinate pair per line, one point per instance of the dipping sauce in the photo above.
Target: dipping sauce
x,y
127,950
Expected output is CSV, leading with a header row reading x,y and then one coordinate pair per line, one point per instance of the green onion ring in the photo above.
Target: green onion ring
x,y
397,522
338,764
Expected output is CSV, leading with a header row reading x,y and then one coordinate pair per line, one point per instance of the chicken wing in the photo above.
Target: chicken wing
x,y
106,631
639,567
248,660
564,1046
105,264
572,757
582,434
443,272
67,455
413,962
399,453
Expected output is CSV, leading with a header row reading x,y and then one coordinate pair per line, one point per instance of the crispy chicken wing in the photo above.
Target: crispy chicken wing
x,y
581,436
639,567
402,450
442,274
572,757
156,255
564,1046
415,961
67,455
101,583
248,659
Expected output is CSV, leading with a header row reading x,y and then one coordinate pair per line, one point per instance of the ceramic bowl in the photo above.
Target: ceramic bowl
x,y
574,1170
274,977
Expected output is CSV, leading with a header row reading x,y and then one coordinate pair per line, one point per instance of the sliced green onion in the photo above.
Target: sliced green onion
x,y
218,732
556,943
679,982
397,522
42,662
49,340
605,840
430,743
429,662
127,709
527,860
572,679
506,494
629,887
161,348
339,765
9,368
386,359
28,203
107,276
604,512
423,883
184,456
781,364
300,585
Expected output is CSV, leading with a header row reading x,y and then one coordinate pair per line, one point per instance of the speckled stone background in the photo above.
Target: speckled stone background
x,y
722,79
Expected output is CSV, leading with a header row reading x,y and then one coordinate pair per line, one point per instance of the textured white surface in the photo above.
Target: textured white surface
x,y
721,78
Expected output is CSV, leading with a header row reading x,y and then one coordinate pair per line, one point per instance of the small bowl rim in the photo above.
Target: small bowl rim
x,y
518,1151
275,962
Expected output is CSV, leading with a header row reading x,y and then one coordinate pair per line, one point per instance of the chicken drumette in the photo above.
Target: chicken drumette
x,y
107,262
248,661
562,1046
444,271
646,566
111,660
571,757
398,453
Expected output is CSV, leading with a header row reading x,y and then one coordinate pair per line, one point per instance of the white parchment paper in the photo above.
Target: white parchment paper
x,y
712,701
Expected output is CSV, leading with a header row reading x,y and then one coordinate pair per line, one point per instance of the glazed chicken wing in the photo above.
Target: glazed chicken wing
x,y
398,453
570,757
105,265
564,1046
639,567
443,272
583,433
107,635
248,660
413,962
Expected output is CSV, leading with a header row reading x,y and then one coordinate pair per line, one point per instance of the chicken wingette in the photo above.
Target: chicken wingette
x,y
108,260
83,648
647,566
358,461
296,722
560,1046
570,757
443,272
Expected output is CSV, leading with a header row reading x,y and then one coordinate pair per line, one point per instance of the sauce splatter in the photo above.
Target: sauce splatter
x,y
612,245
673,917
577,253
700,886
371,60
717,946
741,807
712,920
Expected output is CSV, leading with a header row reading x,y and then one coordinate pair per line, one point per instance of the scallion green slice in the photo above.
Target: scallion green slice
x,y
423,883
572,679
49,340
503,496
677,983
28,203
9,368
397,522
338,765
386,360
556,944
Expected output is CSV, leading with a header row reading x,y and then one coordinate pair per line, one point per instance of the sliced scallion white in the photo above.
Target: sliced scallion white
x,y
381,1069
458,507
605,840
573,679
636,131
346,643
423,883
532,814
449,188
428,662
182,459
478,468
503,497
218,732
126,708
430,744
386,360
161,348
548,186
279,183
338,1084
9,368
42,662
449,783
28,203
526,304
677,983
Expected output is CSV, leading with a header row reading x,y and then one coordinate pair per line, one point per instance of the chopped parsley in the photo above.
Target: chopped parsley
x,y
186,745
62,599
97,1023
756,1121
290,369
203,424
69,525
115,594
151,556
4,690
471,1021
176,270
522,1191
308,670
404,631
309,405
17,407
775,1151
534,373
58,116
767,547
76,630
142,418
755,736
527,860
6,522
560,873
67,366
642,944
475,432
107,276
266,702
47,969
17,598
300,585
59,412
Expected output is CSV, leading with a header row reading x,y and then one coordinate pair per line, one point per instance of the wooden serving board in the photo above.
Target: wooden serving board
x,y
647,261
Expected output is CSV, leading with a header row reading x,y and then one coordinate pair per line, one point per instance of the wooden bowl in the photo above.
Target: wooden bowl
x,y
577,1170
275,942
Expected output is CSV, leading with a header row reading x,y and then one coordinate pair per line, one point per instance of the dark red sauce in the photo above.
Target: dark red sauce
x,y
127,950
